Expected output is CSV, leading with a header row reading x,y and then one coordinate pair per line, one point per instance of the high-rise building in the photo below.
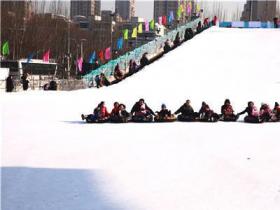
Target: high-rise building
x,y
85,8
254,10
164,7
125,8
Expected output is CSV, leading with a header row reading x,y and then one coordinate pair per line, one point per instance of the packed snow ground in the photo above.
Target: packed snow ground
x,y
51,160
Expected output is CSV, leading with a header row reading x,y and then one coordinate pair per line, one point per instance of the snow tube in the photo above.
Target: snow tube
x,y
165,119
251,119
119,120
229,118
213,118
143,119
184,118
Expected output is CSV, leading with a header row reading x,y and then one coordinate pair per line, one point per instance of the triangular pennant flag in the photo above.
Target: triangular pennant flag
x,y
160,20
146,26
152,24
101,55
46,56
134,33
80,64
140,28
120,43
125,34
189,9
5,48
108,53
164,21
92,57
170,17
197,8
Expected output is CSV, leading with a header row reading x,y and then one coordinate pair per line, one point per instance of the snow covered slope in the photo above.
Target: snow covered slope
x,y
51,160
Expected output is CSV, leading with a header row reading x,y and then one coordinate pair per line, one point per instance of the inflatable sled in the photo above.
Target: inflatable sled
x,y
229,118
120,120
90,119
213,118
172,118
183,118
250,119
142,119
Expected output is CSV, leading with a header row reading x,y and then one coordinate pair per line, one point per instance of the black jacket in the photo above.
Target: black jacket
x,y
185,110
137,108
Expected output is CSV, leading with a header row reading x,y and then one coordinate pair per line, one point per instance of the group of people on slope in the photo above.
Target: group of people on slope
x,y
119,74
141,112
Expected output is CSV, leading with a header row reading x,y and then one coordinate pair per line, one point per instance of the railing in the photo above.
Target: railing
x,y
152,47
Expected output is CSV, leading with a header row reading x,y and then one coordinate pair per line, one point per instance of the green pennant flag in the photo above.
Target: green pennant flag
x,y
5,48
152,24
125,34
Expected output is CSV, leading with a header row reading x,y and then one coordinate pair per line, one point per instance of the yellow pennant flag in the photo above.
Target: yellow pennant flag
x,y
197,8
140,28
134,33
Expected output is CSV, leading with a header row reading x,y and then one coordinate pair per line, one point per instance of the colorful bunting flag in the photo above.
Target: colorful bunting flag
x,y
197,8
170,17
46,56
5,48
125,34
152,24
189,8
92,57
146,26
80,64
164,21
108,53
134,33
101,55
120,43
140,28
160,20
179,12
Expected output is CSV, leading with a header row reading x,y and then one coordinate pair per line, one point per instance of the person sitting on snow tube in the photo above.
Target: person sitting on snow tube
x,y
100,114
276,112
265,113
186,112
164,115
141,112
206,114
228,112
253,114
119,114
115,111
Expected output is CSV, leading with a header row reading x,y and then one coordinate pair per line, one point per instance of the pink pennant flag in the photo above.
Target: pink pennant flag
x,y
80,64
189,9
46,56
160,20
108,53
147,26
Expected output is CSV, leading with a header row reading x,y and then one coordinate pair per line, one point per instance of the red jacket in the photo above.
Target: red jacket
x,y
103,112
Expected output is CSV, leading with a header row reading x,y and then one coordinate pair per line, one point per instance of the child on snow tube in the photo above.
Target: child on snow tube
x,y
164,115
228,112
265,113
276,113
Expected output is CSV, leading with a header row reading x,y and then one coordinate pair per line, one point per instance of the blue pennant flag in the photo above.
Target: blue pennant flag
x,y
29,57
170,17
120,43
92,58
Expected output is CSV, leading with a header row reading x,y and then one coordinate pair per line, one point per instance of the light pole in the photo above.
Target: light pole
x,y
82,51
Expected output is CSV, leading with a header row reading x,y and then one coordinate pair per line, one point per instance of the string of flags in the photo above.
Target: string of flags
x,y
184,8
